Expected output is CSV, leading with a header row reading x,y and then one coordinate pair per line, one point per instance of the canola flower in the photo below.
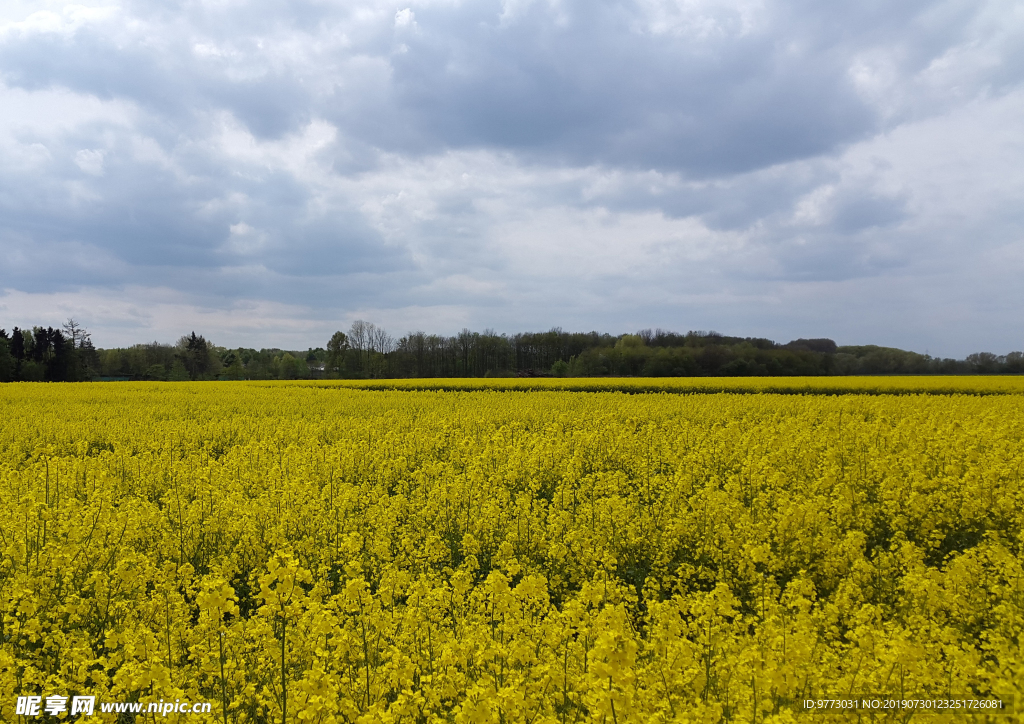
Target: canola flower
x,y
894,385
318,553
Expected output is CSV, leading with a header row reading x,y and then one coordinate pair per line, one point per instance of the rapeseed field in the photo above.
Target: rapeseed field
x,y
324,553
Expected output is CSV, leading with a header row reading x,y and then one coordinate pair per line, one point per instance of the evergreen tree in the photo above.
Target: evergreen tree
x,y
18,345
6,360
59,364
195,356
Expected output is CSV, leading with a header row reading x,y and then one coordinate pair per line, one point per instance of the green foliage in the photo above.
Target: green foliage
x,y
178,372
31,371
337,347
234,369
156,372
6,360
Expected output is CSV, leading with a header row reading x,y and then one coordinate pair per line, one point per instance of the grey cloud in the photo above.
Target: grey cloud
x,y
698,135
173,84
574,82
868,211
593,92
150,219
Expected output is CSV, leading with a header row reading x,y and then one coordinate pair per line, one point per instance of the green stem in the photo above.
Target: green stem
x,y
223,684
284,682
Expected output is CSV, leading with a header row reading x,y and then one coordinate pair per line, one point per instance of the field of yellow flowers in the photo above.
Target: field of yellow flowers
x,y
323,553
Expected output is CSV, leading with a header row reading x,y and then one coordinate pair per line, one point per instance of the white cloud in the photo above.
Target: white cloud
x,y
296,154
48,112
90,161
25,19
244,239
405,18
702,19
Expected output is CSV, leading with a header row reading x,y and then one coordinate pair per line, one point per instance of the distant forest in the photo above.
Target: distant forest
x,y
368,351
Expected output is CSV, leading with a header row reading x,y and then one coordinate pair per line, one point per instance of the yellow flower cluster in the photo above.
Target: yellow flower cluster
x,y
322,554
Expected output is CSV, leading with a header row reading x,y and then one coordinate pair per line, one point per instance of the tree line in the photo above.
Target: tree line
x,y
46,354
368,351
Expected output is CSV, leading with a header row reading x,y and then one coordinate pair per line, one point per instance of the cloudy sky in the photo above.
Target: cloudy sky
x,y
268,172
